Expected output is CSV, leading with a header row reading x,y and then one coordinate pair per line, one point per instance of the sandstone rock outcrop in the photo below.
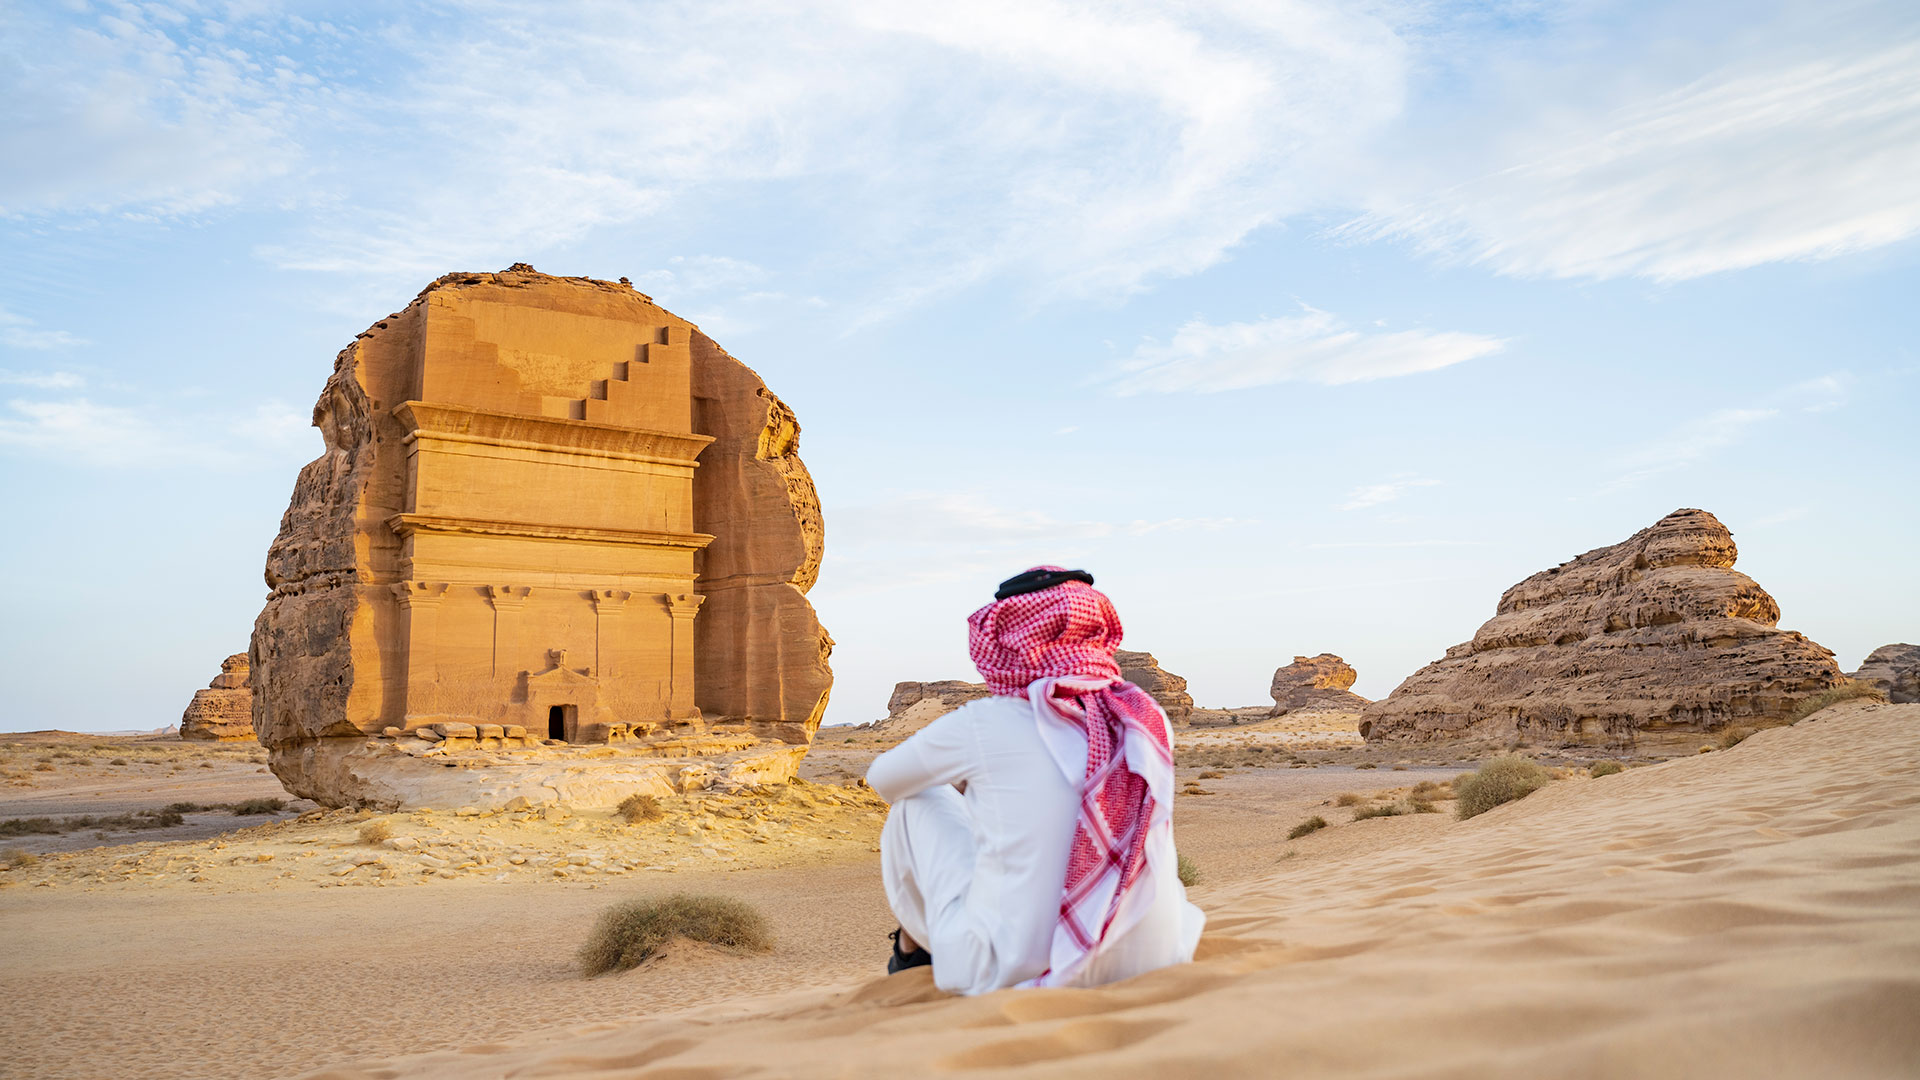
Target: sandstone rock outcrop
x,y
1895,669
914,705
223,711
1315,682
550,512
1170,690
1647,643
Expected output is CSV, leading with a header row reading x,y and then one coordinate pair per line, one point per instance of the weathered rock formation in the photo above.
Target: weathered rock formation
x,y
549,512
1895,669
224,710
914,705
1315,682
1170,690
1652,640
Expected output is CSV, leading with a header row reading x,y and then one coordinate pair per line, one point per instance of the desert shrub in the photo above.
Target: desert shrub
x,y
187,807
27,826
1211,774
1501,780
1366,765
629,933
1733,737
259,806
1188,870
43,766
375,831
1844,690
1427,789
1347,798
1383,810
119,761
1312,824
1420,804
1605,768
637,808
19,858
206,764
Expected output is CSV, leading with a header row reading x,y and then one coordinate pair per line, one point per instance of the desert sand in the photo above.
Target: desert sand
x,y
1754,911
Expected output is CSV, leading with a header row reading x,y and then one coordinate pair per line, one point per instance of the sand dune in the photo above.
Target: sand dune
x,y
1751,912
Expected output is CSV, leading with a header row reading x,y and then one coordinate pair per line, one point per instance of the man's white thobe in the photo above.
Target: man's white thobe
x,y
977,878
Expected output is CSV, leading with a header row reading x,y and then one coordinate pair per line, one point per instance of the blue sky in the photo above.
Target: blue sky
x,y
1305,326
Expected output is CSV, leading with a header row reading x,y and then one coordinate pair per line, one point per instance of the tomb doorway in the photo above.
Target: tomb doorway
x,y
560,722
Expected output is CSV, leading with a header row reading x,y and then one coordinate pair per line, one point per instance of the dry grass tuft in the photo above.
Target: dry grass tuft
x,y
1384,810
1366,765
1188,870
376,831
1501,780
1347,798
1311,825
259,806
1605,768
637,808
1211,774
629,933
1733,737
1844,690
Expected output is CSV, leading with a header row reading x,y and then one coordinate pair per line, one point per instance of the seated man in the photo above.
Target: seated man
x,y
1030,840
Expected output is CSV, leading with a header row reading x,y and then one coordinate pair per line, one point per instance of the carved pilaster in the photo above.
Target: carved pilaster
x,y
607,606
420,602
681,608
507,601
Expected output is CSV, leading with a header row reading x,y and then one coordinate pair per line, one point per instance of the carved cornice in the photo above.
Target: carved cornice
x,y
435,422
409,524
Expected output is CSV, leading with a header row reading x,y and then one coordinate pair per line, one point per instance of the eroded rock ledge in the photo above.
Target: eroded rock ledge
x,y
1652,640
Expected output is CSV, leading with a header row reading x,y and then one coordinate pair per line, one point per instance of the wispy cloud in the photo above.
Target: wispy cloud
x,y
81,432
1371,495
43,380
1765,162
927,537
1698,438
926,146
17,331
1314,346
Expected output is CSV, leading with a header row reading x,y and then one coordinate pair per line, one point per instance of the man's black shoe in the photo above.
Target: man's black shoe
x,y
901,961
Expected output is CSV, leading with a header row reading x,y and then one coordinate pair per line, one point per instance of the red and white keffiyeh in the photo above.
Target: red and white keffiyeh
x,y
1055,647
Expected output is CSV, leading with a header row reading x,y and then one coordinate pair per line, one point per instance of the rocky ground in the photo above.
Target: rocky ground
x,y
214,940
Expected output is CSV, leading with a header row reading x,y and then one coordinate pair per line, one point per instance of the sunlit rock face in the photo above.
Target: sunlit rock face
x,y
1895,671
222,711
1651,641
1163,686
1315,682
553,520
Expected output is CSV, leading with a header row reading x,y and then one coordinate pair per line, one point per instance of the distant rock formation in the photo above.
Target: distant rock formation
x,y
549,513
1315,682
1170,690
914,705
1645,642
1895,669
222,712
